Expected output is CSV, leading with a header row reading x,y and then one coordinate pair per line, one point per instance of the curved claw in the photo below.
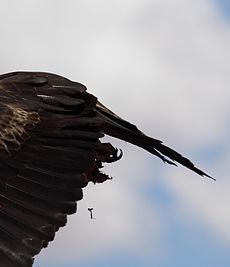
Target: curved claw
x,y
115,156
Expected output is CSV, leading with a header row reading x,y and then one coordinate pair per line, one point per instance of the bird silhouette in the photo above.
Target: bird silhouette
x,y
50,148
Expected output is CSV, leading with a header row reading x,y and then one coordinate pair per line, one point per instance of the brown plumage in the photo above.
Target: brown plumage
x,y
50,148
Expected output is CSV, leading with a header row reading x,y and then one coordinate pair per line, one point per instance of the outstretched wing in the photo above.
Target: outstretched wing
x,y
49,151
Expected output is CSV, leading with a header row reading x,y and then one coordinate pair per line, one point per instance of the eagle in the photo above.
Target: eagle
x,y
51,148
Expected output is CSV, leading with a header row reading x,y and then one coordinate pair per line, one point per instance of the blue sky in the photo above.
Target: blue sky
x,y
173,58
224,5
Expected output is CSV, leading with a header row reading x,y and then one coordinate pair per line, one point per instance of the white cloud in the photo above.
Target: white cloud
x,y
204,202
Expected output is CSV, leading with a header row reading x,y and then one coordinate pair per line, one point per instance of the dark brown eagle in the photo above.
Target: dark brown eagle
x,y
50,148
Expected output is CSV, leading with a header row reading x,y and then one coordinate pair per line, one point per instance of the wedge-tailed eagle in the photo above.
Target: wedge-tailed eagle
x,y
50,148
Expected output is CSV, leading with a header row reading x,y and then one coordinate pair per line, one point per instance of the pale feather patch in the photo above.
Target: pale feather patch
x,y
13,124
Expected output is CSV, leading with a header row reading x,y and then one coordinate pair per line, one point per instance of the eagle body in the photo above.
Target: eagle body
x,y
50,148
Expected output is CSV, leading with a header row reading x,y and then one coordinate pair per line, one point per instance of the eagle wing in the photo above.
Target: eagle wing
x,y
50,148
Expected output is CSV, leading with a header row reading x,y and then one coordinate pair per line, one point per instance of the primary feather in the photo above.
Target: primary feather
x,y
50,148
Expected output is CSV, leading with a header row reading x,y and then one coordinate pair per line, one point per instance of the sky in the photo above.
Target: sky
x,y
163,65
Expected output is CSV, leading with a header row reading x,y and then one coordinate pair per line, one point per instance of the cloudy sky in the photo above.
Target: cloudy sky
x,y
164,65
